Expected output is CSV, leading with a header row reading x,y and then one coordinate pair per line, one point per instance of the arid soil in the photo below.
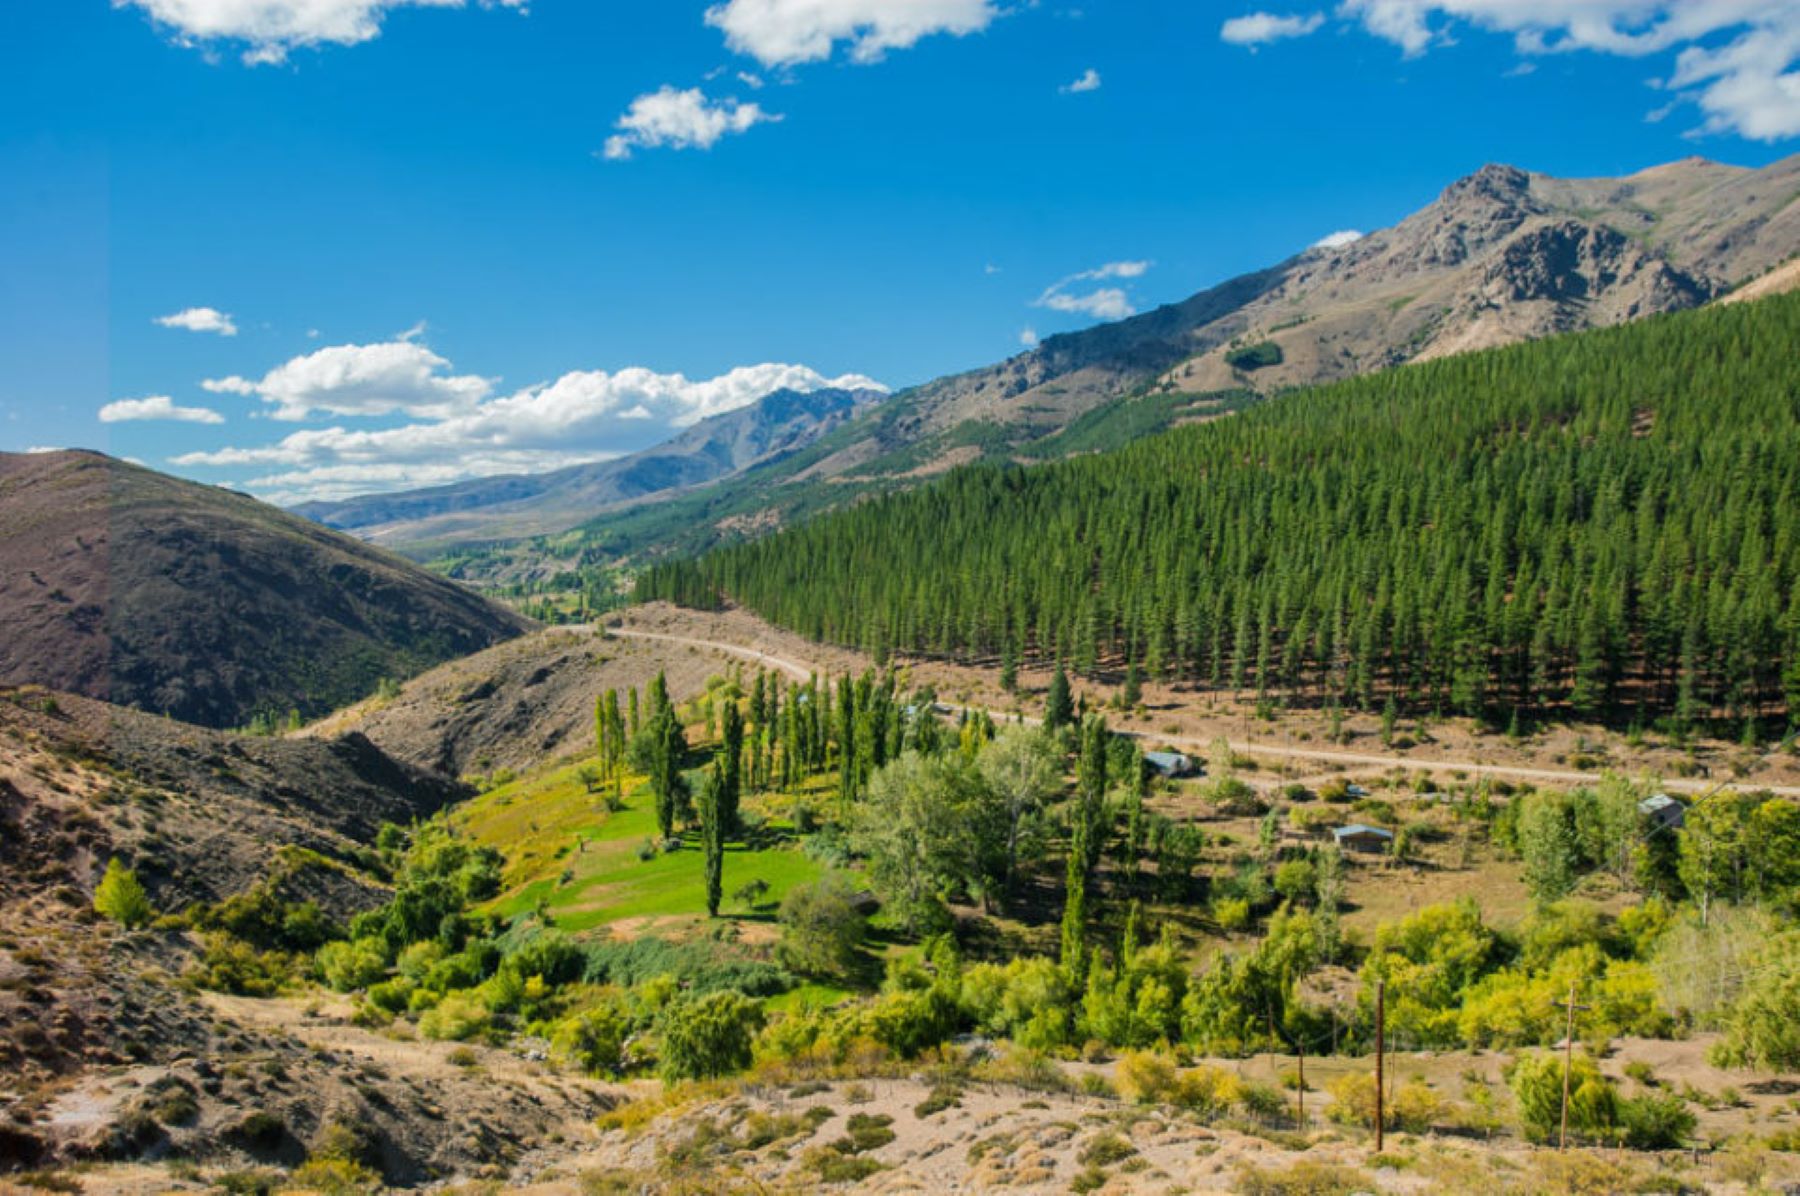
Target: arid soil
x,y
520,704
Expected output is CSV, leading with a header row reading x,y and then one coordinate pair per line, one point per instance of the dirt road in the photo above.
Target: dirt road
x,y
801,671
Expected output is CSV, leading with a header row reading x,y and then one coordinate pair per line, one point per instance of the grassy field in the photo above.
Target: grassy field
x,y
582,862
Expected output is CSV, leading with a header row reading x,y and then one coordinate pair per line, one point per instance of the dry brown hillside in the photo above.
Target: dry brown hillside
x,y
176,598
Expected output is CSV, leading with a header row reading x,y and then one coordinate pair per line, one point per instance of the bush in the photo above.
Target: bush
x,y
350,965
122,898
1296,880
230,966
1656,1121
1353,1100
708,1035
457,1017
592,1040
1304,1178
1537,1086
822,930
1230,914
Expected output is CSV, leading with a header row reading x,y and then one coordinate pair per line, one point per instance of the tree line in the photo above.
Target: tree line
x,y
1604,525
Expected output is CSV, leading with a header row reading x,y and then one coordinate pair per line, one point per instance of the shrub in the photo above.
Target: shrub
x,y
230,966
336,1177
352,964
943,1096
1231,914
1306,1177
1655,1121
122,898
457,1017
1353,1100
708,1035
1103,1150
1296,880
1537,1086
822,930
1416,1107
592,1040
866,1132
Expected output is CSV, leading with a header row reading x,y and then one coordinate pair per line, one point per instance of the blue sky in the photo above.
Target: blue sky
x,y
450,238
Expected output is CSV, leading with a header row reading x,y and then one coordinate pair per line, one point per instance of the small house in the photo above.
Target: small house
x,y
1371,840
1170,764
1662,812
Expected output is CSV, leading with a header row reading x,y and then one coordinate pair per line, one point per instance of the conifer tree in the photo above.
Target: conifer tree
x,y
712,833
1059,708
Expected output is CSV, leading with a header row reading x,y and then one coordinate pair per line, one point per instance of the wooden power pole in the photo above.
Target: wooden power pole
x,y
1380,1057
1562,1142
1300,1088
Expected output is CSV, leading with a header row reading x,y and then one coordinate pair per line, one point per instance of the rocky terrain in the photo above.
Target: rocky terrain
x,y
107,1052
520,704
1501,256
191,601
199,815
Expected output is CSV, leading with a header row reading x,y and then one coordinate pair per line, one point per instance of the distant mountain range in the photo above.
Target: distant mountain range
x,y
1501,256
143,590
516,506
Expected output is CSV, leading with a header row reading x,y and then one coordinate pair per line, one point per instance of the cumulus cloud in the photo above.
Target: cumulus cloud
x,y
1737,60
1028,337
1101,303
781,33
582,416
399,376
1089,81
269,29
680,120
1338,240
1261,28
157,407
200,319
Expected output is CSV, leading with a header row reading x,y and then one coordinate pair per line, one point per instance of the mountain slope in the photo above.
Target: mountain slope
x,y
511,507
1501,256
140,589
1601,522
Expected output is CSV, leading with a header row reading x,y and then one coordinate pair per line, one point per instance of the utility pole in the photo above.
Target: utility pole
x,y
1562,1142
1300,1088
1380,1056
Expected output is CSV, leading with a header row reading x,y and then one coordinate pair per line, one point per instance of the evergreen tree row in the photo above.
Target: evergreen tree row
x,y
1605,524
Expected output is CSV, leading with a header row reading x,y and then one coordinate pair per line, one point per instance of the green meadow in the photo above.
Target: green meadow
x,y
583,864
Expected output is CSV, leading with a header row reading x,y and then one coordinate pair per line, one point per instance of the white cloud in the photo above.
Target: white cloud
x,y
1735,59
1101,303
271,28
1261,28
381,379
788,32
157,407
1338,240
1089,81
680,120
1028,337
200,319
582,416
38,450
